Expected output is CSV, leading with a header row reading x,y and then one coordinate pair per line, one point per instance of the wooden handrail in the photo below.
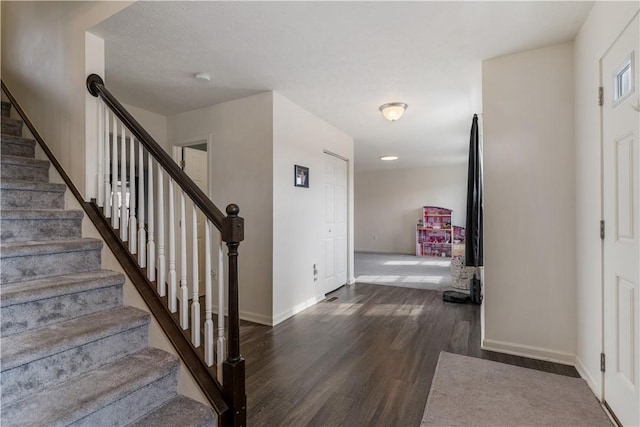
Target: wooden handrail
x,y
198,369
231,229
96,87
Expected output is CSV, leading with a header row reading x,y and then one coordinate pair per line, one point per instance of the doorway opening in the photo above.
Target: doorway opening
x,y
193,156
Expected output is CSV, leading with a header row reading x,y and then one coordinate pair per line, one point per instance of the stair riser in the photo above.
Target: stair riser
x,y
8,148
6,109
22,230
28,379
133,406
22,173
21,199
12,128
35,314
32,267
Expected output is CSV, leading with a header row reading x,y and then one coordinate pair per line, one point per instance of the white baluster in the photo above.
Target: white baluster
x,y
195,304
133,224
173,277
162,282
115,218
107,183
222,342
123,186
184,295
151,244
100,177
208,322
142,234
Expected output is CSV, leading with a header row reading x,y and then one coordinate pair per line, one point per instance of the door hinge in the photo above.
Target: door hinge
x,y
600,96
603,362
182,164
602,229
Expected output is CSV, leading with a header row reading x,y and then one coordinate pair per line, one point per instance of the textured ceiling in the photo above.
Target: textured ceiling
x,y
339,60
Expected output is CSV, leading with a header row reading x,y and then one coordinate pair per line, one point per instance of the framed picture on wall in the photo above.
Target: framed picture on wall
x,y
301,176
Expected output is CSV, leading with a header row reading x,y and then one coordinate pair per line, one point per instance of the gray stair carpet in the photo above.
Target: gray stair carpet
x,y
71,353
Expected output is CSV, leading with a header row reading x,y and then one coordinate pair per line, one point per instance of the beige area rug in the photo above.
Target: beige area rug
x,y
474,392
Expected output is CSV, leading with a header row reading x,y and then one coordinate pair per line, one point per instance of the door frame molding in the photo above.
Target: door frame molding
x,y
185,142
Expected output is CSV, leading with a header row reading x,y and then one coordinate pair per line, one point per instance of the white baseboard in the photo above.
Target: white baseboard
x,y
255,318
531,352
586,375
383,252
296,309
248,316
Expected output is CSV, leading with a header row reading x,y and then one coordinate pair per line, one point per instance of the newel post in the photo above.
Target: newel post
x,y
233,376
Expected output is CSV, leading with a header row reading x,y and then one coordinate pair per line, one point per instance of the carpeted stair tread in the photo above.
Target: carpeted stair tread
x,y
71,401
20,225
24,161
15,139
9,120
17,249
11,126
13,184
17,194
24,168
19,349
6,109
32,260
19,293
41,214
31,305
179,411
17,146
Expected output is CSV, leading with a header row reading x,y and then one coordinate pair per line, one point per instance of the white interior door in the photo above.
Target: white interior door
x,y
196,166
335,233
621,160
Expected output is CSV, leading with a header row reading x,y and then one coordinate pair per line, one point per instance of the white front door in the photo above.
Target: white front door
x,y
621,192
335,233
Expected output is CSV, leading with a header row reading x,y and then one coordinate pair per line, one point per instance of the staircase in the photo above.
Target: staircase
x,y
71,353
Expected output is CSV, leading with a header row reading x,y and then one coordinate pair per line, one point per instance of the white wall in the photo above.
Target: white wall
x,y
530,244
389,203
154,123
242,173
44,65
604,23
256,141
300,138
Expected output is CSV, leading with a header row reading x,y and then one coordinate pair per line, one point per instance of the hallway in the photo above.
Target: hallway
x,y
366,358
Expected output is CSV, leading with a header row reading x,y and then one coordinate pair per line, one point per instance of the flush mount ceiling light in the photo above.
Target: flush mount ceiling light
x,y
388,158
393,110
203,76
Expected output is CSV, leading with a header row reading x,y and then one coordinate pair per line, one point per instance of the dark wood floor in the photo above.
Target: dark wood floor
x,y
366,358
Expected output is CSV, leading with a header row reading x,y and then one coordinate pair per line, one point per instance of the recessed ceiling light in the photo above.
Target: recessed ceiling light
x,y
389,158
203,77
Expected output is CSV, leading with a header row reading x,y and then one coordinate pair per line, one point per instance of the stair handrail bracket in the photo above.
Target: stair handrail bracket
x,y
130,197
